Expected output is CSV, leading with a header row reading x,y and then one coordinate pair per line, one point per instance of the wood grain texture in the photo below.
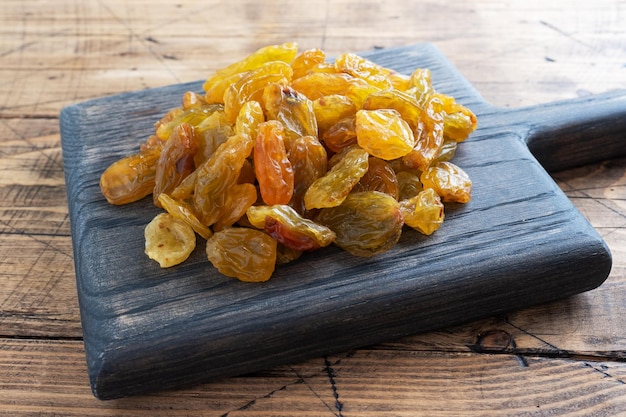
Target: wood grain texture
x,y
519,242
518,53
521,53
50,376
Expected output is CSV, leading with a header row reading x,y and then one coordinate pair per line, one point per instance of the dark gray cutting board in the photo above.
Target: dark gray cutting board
x,y
519,242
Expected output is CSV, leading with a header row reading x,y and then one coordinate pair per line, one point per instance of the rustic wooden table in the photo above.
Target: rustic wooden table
x,y
563,358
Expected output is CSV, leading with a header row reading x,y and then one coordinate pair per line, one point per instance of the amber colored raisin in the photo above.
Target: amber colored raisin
x,y
289,228
217,176
359,90
271,164
285,52
192,100
131,178
449,181
329,110
366,223
238,199
365,69
421,85
423,212
458,126
185,190
331,189
248,120
459,121
193,116
309,162
399,81
341,135
210,134
284,255
168,240
311,60
214,93
246,254
166,119
176,160
251,86
380,176
293,109
184,212
427,147
320,84
409,184
447,150
383,133
403,103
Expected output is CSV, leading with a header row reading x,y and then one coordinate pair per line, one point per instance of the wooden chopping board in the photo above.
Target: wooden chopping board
x,y
519,242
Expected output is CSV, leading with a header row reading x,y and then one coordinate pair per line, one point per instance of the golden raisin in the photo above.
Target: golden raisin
x,y
449,181
271,164
169,241
286,153
423,212
383,133
331,189
246,254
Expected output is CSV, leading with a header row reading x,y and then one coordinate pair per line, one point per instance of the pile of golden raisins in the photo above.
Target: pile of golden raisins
x,y
287,152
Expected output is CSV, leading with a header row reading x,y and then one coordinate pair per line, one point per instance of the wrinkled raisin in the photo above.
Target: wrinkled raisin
x,y
423,212
289,228
169,241
331,189
271,164
449,181
366,223
246,254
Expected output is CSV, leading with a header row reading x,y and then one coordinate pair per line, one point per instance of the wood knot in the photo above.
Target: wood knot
x,y
493,341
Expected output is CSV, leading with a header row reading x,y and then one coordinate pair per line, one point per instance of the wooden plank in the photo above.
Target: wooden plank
x,y
433,384
116,306
38,296
32,185
568,328
25,128
50,377
95,49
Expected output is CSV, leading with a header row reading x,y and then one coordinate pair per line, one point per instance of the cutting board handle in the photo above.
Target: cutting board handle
x,y
570,133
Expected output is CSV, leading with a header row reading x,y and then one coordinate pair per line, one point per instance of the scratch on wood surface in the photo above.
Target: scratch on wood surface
x,y
560,352
146,41
602,369
564,33
331,376
253,401
299,380
315,393
19,48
